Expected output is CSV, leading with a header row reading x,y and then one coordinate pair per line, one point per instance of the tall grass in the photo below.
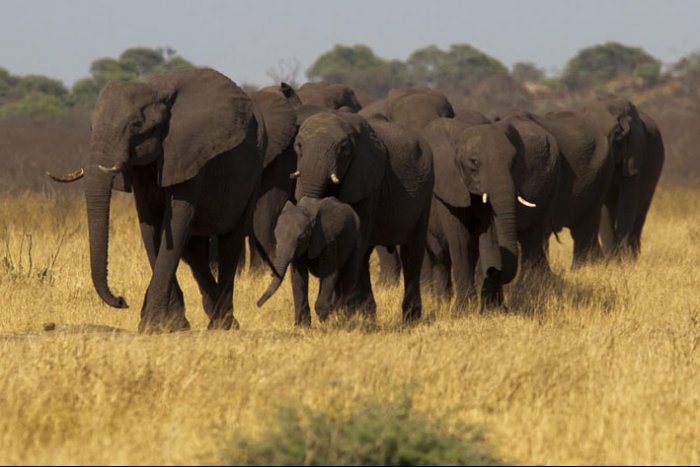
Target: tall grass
x,y
601,366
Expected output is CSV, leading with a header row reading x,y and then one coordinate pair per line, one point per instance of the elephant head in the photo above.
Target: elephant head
x,y
416,108
169,128
305,230
474,168
329,96
339,154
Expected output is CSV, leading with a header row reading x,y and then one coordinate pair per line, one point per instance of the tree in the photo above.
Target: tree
x,y
458,69
604,62
7,84
527,71
358,67
141,60
33,84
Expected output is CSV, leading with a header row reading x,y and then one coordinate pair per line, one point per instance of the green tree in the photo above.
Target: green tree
x,y
36,106
7,84
603,62
358,67
141,60
33,84
459,68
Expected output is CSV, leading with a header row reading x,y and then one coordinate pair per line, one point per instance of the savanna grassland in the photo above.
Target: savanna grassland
x,y
601,366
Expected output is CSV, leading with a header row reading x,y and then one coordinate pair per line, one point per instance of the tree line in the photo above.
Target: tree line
x,y
460,68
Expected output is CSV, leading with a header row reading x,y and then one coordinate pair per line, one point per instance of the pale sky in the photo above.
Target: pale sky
x,y
243,39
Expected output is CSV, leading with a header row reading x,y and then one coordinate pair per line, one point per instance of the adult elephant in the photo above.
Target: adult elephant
x,y
190,147
633,184
277,114
329,96
494,186
593,144
413,108
385,172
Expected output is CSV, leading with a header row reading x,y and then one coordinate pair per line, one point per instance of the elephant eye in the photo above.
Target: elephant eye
x,y
474,162
135,126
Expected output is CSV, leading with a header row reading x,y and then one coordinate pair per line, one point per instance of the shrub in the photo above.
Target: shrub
x,y
378,434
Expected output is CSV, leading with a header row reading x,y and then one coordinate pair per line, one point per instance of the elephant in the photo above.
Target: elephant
x,y
190,147
320,236
328,96
275,108
494,187
593,144
385,172
413,108
632,189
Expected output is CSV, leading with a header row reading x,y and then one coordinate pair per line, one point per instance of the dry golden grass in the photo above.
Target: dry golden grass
x,y
601,368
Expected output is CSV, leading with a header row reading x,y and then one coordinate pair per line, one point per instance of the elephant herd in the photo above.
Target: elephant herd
x,y
319,177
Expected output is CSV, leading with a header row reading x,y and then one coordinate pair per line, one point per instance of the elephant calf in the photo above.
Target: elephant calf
x,y
321,236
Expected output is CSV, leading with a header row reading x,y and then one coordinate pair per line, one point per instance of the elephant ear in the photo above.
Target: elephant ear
x,y
209,115
442,136
330,218
279,121
636,144
368,166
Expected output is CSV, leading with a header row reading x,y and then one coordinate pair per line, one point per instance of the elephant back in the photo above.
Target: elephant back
x,y
329,96
209,115
416,108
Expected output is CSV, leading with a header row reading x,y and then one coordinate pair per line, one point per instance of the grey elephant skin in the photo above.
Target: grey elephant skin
x,y
321,237
481,172
632,188
593,145
385,172
189,146
413,108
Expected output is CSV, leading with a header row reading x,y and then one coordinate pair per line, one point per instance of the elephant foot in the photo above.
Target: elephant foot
x,y
492,295
226,323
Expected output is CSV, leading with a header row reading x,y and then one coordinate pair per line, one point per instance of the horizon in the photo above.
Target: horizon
x,y
206,38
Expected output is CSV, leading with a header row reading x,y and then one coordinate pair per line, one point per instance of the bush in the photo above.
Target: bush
x,y
378,434
36,106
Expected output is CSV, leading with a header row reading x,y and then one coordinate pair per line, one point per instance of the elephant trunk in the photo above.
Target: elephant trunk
x,y
98,194
284,257
498,244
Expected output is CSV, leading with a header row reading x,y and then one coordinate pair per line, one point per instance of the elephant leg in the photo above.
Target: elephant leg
x,y
360,297
607,228
389,266
585,235
533,250
157,313
324,301
196,254
300,290
411,262
463,254
256,263
231,246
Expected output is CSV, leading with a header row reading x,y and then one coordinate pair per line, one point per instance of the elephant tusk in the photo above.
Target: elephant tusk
x,y
295,175
485,198
335,179
71,177
117,168
525,202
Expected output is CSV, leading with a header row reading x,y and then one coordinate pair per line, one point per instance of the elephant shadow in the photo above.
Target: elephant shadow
x,y
538,294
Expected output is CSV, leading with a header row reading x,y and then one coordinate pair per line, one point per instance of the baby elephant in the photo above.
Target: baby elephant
x,y
321,236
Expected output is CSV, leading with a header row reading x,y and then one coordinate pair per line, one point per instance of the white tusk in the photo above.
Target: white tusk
x,y
335,179
524,202
485,198
118,167
71,177
294,175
